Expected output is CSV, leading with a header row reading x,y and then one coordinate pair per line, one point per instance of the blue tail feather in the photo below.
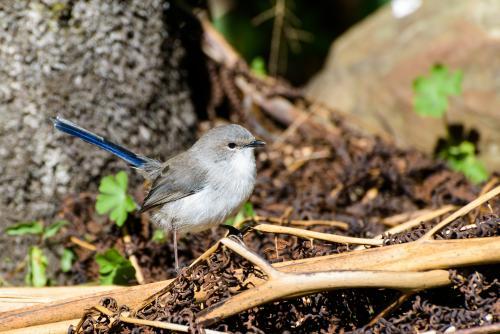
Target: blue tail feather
x,y
72,129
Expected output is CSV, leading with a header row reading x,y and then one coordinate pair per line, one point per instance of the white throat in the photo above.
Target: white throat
x,y
243,163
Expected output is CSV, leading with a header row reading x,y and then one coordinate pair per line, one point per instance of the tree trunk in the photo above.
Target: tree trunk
x,y
115,67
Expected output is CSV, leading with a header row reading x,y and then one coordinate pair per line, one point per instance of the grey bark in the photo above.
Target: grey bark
x,y
110,66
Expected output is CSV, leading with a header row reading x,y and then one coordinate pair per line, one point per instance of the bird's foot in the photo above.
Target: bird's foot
x,y
233,231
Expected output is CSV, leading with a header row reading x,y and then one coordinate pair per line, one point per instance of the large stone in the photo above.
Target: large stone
x,y
370,70
111,66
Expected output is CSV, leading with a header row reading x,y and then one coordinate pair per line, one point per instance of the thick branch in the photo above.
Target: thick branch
x,y
305,277
287,285
412,256
72,308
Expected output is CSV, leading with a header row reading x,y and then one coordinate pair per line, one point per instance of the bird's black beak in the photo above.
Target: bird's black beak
x,y
256,143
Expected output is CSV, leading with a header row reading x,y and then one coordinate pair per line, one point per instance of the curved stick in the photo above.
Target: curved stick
x,y
286,285
306,234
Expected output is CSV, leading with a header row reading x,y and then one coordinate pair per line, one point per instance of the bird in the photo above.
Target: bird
x,y
195,189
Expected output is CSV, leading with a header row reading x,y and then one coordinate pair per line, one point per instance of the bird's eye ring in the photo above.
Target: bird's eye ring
x,y
231,145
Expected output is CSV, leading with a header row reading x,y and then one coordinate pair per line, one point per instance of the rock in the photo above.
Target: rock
x,y
111,66
370,70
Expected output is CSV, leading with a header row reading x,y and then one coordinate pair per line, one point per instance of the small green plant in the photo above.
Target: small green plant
x,y
114,201
258,67
113,198
36,228
114,268
67,259
36,274
245,212
159,236
462,158
431,94
33,227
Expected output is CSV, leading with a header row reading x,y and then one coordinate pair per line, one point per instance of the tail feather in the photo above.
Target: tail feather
x,y
68,127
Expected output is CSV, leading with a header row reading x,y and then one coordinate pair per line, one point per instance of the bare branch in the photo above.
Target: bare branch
x,y
287,285
420,219
151,323
462,211
251,256
72,307
306,234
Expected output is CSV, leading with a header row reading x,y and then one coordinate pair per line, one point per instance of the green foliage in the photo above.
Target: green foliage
x,y
245,212
36,260
258,67
462,158
113,198
53,229
67,259
432,91
37,267
114,268
431,99
34,227
159,236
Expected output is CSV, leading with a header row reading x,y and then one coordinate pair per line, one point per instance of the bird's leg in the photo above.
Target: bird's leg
x,y
175,252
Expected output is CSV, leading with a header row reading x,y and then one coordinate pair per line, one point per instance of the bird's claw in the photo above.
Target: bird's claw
x,y
233,231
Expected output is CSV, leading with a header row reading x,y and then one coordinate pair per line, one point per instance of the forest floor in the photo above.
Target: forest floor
x,y
349,178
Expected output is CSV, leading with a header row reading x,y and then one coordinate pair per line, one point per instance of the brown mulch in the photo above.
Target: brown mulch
x,y
357,180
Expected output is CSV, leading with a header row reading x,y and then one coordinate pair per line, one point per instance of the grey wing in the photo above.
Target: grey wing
x,y
178,179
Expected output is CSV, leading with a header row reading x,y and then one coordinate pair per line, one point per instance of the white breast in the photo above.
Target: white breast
x,y
229,186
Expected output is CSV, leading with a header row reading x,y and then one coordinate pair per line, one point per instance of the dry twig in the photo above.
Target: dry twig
x,y
84,244
391,307
418,220
462,211
151,323
133,259
284,221
306,234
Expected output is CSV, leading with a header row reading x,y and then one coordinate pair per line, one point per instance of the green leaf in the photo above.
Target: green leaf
x,y
471,167
37,267
113,198
52,229
67,259
475,171
114,268
462,158
248,210
258,67
245,212
159,236
34,227
432,91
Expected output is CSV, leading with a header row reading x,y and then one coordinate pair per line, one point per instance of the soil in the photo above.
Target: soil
x,y
355,179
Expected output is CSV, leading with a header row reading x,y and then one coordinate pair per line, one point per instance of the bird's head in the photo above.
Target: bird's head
x,y
231,144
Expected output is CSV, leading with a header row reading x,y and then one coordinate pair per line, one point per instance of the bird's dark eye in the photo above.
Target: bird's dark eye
x,y
231,145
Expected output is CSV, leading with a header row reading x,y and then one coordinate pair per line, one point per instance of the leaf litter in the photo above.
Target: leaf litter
x,y
359,181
